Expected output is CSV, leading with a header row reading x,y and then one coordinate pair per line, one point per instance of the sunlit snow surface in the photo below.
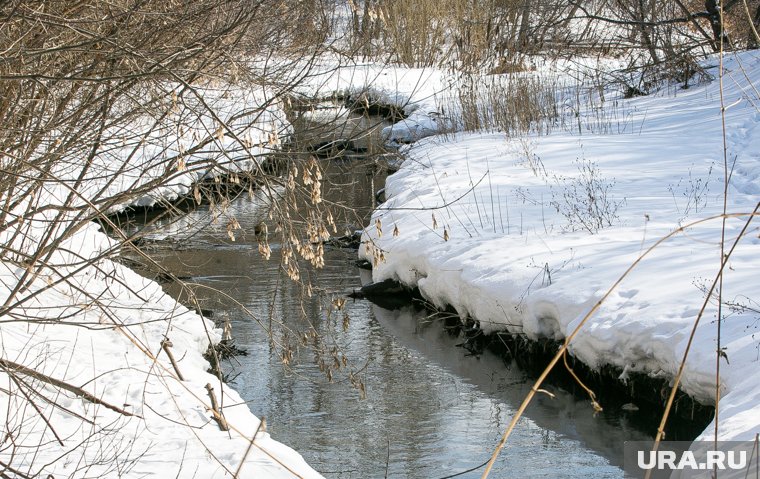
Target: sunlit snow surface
x,y
473,221
98,326
476,228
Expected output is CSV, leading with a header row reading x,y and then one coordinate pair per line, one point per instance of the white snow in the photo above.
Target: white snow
x,y
415,90
481,221
212,130
101,330
96,325
499,229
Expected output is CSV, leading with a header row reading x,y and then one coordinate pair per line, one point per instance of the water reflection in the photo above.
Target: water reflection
x,y
430,409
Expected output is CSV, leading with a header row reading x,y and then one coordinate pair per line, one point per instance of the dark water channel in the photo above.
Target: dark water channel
x,y
430,409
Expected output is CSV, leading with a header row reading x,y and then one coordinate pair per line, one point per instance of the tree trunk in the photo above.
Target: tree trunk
x,y
713,8
646,33
522,36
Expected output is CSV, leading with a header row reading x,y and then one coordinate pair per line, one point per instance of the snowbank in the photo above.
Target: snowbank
x,y
101,330
527,234
417,91
213,130
86,387
434,100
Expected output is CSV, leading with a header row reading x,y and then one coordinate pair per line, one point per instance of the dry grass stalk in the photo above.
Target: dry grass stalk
x,y
563,349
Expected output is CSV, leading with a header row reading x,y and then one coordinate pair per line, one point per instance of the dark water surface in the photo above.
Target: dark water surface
x,y
430,409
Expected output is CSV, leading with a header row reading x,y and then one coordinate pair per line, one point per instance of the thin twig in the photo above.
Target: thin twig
x,y
165,345
248,449
215,409
10,368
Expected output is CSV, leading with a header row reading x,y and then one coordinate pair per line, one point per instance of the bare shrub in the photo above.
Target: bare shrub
x,y
512,104
585,200
690,194
471,35
106,104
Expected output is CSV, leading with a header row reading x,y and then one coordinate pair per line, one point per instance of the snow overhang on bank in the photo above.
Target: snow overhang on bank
x,y
417,92
216,130
527,234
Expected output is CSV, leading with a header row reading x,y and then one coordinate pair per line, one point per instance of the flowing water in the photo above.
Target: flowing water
x,y
430,410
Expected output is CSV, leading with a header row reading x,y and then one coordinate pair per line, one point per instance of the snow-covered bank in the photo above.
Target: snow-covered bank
x,y
214,130
416,91
436,101
101,331
86,387
527,234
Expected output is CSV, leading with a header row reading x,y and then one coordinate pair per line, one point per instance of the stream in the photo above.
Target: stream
x,y
431,408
